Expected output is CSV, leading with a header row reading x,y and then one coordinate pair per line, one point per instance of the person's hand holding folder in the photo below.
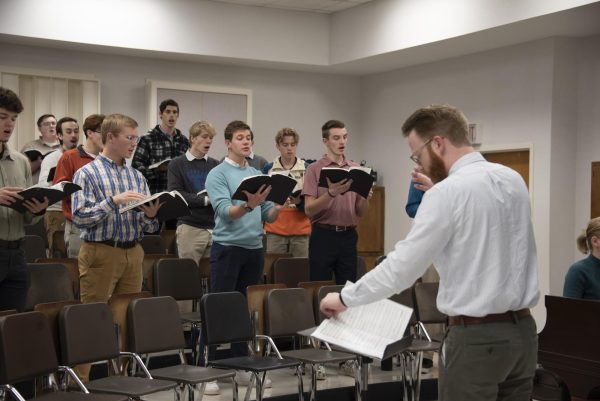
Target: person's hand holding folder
x,y
336,188
9,195
258,197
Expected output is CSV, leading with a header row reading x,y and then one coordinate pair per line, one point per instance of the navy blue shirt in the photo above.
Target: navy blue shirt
x,y
583,279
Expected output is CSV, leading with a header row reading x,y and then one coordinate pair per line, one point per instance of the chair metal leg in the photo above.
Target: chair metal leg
x,y
249,388
178,392
313,383
411,375
234,388
300,383
200,392
14,392
259,386
362,378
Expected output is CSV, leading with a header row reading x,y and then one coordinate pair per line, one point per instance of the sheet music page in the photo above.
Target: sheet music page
x,y
366,329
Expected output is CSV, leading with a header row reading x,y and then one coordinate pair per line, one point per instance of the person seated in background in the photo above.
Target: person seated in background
x,y
71,161
289,233
46,143
68,134
583,277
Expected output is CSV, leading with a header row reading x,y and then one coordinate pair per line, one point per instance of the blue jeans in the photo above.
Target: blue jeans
x,y
14,279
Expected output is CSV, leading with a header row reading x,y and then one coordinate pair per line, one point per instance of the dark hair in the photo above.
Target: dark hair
x,y
329,125
439,119
64,120
10,101
93,123
167,102
43,117
235,126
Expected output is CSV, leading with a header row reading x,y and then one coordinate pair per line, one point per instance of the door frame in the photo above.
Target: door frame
x,y
513,147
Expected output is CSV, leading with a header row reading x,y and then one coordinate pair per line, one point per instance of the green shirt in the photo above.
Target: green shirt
x,y
15,171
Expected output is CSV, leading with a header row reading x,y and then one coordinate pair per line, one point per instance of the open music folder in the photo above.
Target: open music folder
x,y
374,330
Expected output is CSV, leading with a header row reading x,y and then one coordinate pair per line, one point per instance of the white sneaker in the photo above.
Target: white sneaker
x,y
243,379
212,388
348,368
320,370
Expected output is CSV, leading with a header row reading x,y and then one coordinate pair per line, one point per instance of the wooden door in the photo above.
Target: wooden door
x,y
371,228
595,201
518,160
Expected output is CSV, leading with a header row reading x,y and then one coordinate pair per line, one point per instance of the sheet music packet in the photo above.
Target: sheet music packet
x,y
366,329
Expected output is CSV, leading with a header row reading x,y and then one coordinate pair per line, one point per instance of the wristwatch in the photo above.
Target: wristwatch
x,y
247,208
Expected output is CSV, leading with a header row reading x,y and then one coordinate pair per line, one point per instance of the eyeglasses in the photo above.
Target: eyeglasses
x,y
416,156
48,123
133,138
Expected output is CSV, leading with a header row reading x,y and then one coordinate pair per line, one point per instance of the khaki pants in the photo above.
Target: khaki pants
x,y
296,245
54,221
72,239
105,270
193,243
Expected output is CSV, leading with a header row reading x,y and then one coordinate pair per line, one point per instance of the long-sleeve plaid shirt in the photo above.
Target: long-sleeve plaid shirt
x,y
155,147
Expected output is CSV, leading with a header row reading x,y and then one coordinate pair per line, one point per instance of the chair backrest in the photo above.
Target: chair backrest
x,y
72,265
291,271
270,258
426,305
380,259
49,282
311,287
34,248
407,298
118,305
170,240
154,325
225,318
58,243
288,311
153,244
87,334
38,229
361,267
177,278
255,295
26,347
320,294
51,311
7,312
148,269
548,386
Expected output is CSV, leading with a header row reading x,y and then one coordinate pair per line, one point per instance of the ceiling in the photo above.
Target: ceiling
x,y
319,6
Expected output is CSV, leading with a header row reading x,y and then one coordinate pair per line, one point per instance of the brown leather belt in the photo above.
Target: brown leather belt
x,y
116,244
16,244
332,227
491,318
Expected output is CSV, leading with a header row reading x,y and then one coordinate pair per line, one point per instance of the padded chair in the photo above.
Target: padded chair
x,y
180,279
204,267
426,309
27,351
311,287
548,386
320,294
237,327
153,244
58,243
51,311
145,315
255,294
361,267
38,229
170,240
270,258
282,303
148,269
72,265
49,282
87,334
291,271
7,312
34,248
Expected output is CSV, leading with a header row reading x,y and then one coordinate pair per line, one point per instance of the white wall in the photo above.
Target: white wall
x,y
280,98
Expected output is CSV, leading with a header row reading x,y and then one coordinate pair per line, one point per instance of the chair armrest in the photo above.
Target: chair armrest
x,y
271,342
74,377
137,359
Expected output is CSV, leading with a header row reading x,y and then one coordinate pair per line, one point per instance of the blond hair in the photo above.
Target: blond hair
x,y
584,240
114,123
286,132
199,126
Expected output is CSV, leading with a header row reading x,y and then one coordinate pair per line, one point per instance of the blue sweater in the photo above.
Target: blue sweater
x,y
583,279
247,231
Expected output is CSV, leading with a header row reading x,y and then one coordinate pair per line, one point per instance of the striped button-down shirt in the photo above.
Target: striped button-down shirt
x,y
94,211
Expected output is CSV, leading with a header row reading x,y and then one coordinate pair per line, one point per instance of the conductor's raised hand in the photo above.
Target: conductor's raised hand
x,y
9,195
259,197
127,196
150,209
340,187
331,305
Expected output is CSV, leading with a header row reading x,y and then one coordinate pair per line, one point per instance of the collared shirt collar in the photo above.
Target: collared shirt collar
x,y
111,162
234,164
250,156
190,156
329,162
6,153
467,159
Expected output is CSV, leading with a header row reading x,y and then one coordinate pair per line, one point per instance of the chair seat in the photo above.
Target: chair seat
x,y
131,386
190,374
191,317
254,364
78,396
418,345
318,356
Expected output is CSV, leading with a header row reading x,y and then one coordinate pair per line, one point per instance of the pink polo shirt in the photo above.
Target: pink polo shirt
x,y
342,209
